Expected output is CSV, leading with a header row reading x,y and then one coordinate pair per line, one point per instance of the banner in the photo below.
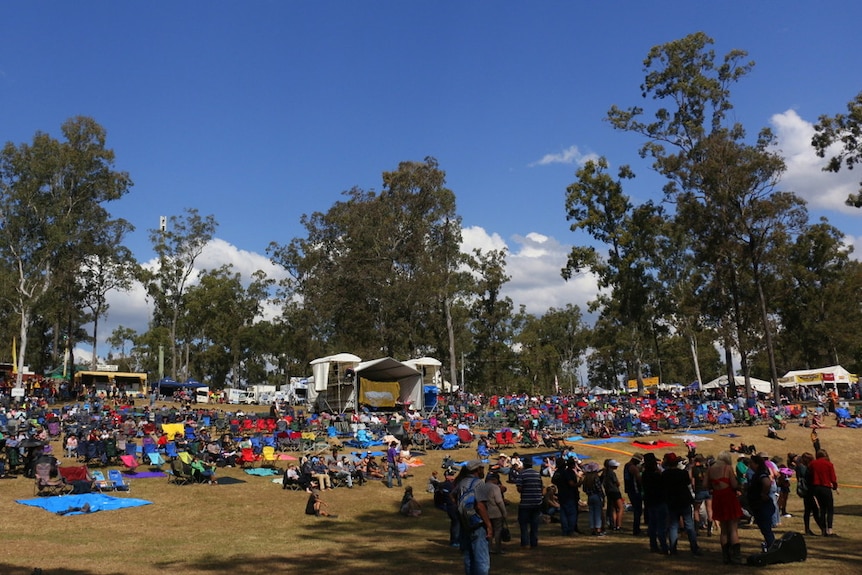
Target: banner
x,y
379,393
648,382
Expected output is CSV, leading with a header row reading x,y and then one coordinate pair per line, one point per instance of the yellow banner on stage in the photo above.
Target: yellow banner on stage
x,y
378,393
648,382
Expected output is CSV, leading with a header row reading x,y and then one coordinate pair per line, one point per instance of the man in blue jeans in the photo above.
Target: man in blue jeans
x,y
677,483
566,481
529,484
392,469
476,530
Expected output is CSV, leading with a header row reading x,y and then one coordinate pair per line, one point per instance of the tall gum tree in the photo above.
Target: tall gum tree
x,y
728,184
53,197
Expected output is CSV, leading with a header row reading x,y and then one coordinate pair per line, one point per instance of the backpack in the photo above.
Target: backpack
x,y
470,518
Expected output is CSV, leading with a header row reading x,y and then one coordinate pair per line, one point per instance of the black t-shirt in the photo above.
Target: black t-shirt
x,y
567,485
309,505
677,488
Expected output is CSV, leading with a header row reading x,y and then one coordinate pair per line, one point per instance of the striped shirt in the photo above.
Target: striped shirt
x,y
530,487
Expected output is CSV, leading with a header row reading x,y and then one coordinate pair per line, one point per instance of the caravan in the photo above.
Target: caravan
x,y
239,396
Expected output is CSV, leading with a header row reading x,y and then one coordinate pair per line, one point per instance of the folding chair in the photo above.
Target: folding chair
x,y
179,473
47,484
156,459
130,462
100,482
119,482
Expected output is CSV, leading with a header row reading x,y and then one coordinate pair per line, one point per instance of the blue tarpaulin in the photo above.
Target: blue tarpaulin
x,y
97,502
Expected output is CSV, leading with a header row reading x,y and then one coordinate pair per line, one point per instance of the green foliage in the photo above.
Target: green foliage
x,y
845,130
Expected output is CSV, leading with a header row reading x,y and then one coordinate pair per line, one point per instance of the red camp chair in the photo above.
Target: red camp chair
x,y
247,457
434,440
465,438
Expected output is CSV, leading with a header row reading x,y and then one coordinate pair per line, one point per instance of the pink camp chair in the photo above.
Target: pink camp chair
x,y
130,462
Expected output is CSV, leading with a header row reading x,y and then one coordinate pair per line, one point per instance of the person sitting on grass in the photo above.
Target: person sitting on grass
x,y
771,433
317,506
409,506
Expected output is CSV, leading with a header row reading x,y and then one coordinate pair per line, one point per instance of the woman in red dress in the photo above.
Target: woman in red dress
x,y
720,479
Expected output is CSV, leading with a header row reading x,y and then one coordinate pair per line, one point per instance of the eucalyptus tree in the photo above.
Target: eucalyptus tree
x,y
492,361
821,303
177,245
53,197
846,130
379,272
624,262
110,266
724,188
218,324
552,346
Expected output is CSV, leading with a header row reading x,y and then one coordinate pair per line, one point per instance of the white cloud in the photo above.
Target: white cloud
x,y
132,309
571,155
805,176
534,263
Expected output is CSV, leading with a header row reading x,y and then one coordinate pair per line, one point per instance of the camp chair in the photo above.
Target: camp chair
x,y
45,484
156,459
111,452
465,438
268,458
13,458
100,482
179,473
435,441
247,457
130,462
120,483
77,477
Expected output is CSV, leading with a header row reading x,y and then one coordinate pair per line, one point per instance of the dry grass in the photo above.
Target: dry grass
x,y
252,526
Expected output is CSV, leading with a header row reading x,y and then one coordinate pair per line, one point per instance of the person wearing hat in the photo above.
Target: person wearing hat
x,y
592,483
613,495
678,489
476,530
634,490
655,505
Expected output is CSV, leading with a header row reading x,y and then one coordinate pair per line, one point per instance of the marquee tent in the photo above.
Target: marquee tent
x,y
386,382
758,385
823,376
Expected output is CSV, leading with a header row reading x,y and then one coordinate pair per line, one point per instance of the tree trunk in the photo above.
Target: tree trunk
x,y
453,359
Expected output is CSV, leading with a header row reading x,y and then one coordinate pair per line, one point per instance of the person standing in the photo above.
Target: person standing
x,y
678,491
614,495
592,483
804,491
566,480
722,484
496,511
529,484
655,504
470,498
760,499
392,455
823,483
633,485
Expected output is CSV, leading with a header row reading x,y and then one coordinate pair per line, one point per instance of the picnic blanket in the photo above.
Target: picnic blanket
x,y
97,501
652,444
692,438
574,438
699,431
262,471
605,440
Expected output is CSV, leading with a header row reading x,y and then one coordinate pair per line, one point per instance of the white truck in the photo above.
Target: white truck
x,y
262,394
296,392
240,396
202,395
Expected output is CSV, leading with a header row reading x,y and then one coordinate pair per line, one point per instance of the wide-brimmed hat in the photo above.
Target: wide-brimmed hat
x,y
591,467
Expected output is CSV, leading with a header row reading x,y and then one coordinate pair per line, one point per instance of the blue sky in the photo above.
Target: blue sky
x,y
259,112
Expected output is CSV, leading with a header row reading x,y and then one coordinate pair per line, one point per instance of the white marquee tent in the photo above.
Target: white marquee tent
x,y
758,385
823,376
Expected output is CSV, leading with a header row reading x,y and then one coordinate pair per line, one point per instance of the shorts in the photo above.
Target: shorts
x,y
701,496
